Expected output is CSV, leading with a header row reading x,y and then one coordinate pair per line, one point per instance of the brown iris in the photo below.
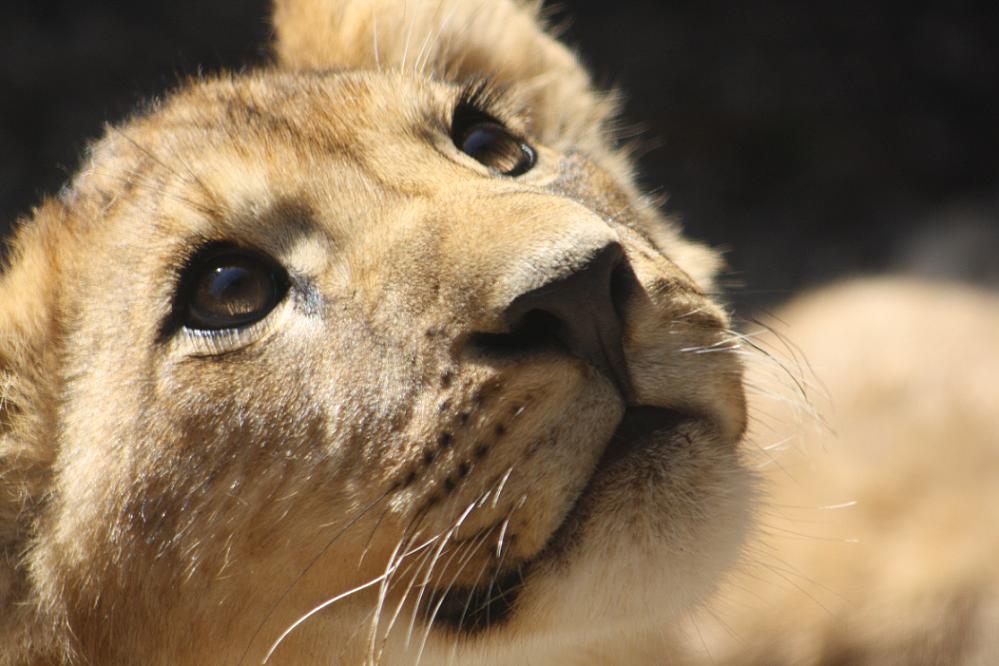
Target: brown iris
x,y
230,288
488,142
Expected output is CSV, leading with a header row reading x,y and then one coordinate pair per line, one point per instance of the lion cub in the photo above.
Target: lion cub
x,y
374,356
377,355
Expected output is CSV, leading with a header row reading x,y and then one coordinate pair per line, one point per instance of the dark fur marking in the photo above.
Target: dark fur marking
x,y
535,445
470,611
661,286
447,377
482,395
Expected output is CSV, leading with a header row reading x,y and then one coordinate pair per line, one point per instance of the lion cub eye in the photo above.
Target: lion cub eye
x,y
488,142
229,288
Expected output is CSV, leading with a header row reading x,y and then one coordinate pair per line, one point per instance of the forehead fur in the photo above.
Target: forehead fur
x,y
453,40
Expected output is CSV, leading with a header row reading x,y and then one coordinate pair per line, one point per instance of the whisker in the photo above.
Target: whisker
x,y
468,600
423,586
433,563
308,567
463,562
215,204
425,583
424,546
405,595
423,57
409,35
502,485
501,558
390,569
371,536
329,602
374,41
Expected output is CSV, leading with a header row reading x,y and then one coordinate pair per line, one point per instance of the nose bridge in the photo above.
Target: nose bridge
x,y
544,271
518,243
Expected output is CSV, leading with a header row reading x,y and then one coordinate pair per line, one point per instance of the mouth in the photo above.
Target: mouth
x,y
638,428
470,610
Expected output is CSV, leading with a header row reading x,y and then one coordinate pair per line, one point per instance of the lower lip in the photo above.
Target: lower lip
x,y
640,429
638,426
472,610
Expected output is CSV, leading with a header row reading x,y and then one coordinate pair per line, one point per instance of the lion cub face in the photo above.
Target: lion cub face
x,y
374,345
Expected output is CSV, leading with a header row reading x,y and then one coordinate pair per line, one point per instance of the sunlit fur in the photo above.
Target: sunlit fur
x,y
877,540
307,489
168,498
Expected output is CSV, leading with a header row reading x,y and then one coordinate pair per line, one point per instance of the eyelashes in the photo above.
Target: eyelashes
x,y
478,131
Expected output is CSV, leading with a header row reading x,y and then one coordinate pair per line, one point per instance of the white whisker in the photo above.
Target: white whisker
x,y
326,604
502,484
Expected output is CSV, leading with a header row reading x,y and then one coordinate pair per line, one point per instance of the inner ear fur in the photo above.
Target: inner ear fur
x,y
457,40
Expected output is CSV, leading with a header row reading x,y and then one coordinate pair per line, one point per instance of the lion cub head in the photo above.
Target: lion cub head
x,y
374,355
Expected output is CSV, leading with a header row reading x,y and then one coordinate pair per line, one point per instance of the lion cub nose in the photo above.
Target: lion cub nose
x,y
582,312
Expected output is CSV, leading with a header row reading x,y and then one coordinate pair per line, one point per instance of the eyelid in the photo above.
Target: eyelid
x,y
492,101
200,343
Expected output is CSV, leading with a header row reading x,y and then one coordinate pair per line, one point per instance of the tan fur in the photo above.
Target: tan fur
x,y
183,500
877,542
172,499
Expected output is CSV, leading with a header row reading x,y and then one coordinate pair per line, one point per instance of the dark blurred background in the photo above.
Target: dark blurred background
x,y
810,140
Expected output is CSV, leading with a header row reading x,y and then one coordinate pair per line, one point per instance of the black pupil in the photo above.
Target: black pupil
x,y
492,145
231,291
481,140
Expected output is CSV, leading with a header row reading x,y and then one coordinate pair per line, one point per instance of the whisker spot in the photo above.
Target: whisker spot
x,y
447,377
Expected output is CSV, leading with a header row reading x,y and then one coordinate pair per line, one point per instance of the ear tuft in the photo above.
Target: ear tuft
x,y
458,40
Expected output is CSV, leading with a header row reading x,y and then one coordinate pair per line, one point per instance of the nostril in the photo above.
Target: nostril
x,y
623,283
536,330
579,313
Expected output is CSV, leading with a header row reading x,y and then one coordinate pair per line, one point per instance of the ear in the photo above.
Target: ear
x,y
502,40
27,284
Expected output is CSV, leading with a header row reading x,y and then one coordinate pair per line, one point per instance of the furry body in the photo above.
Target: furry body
x,y
876,539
